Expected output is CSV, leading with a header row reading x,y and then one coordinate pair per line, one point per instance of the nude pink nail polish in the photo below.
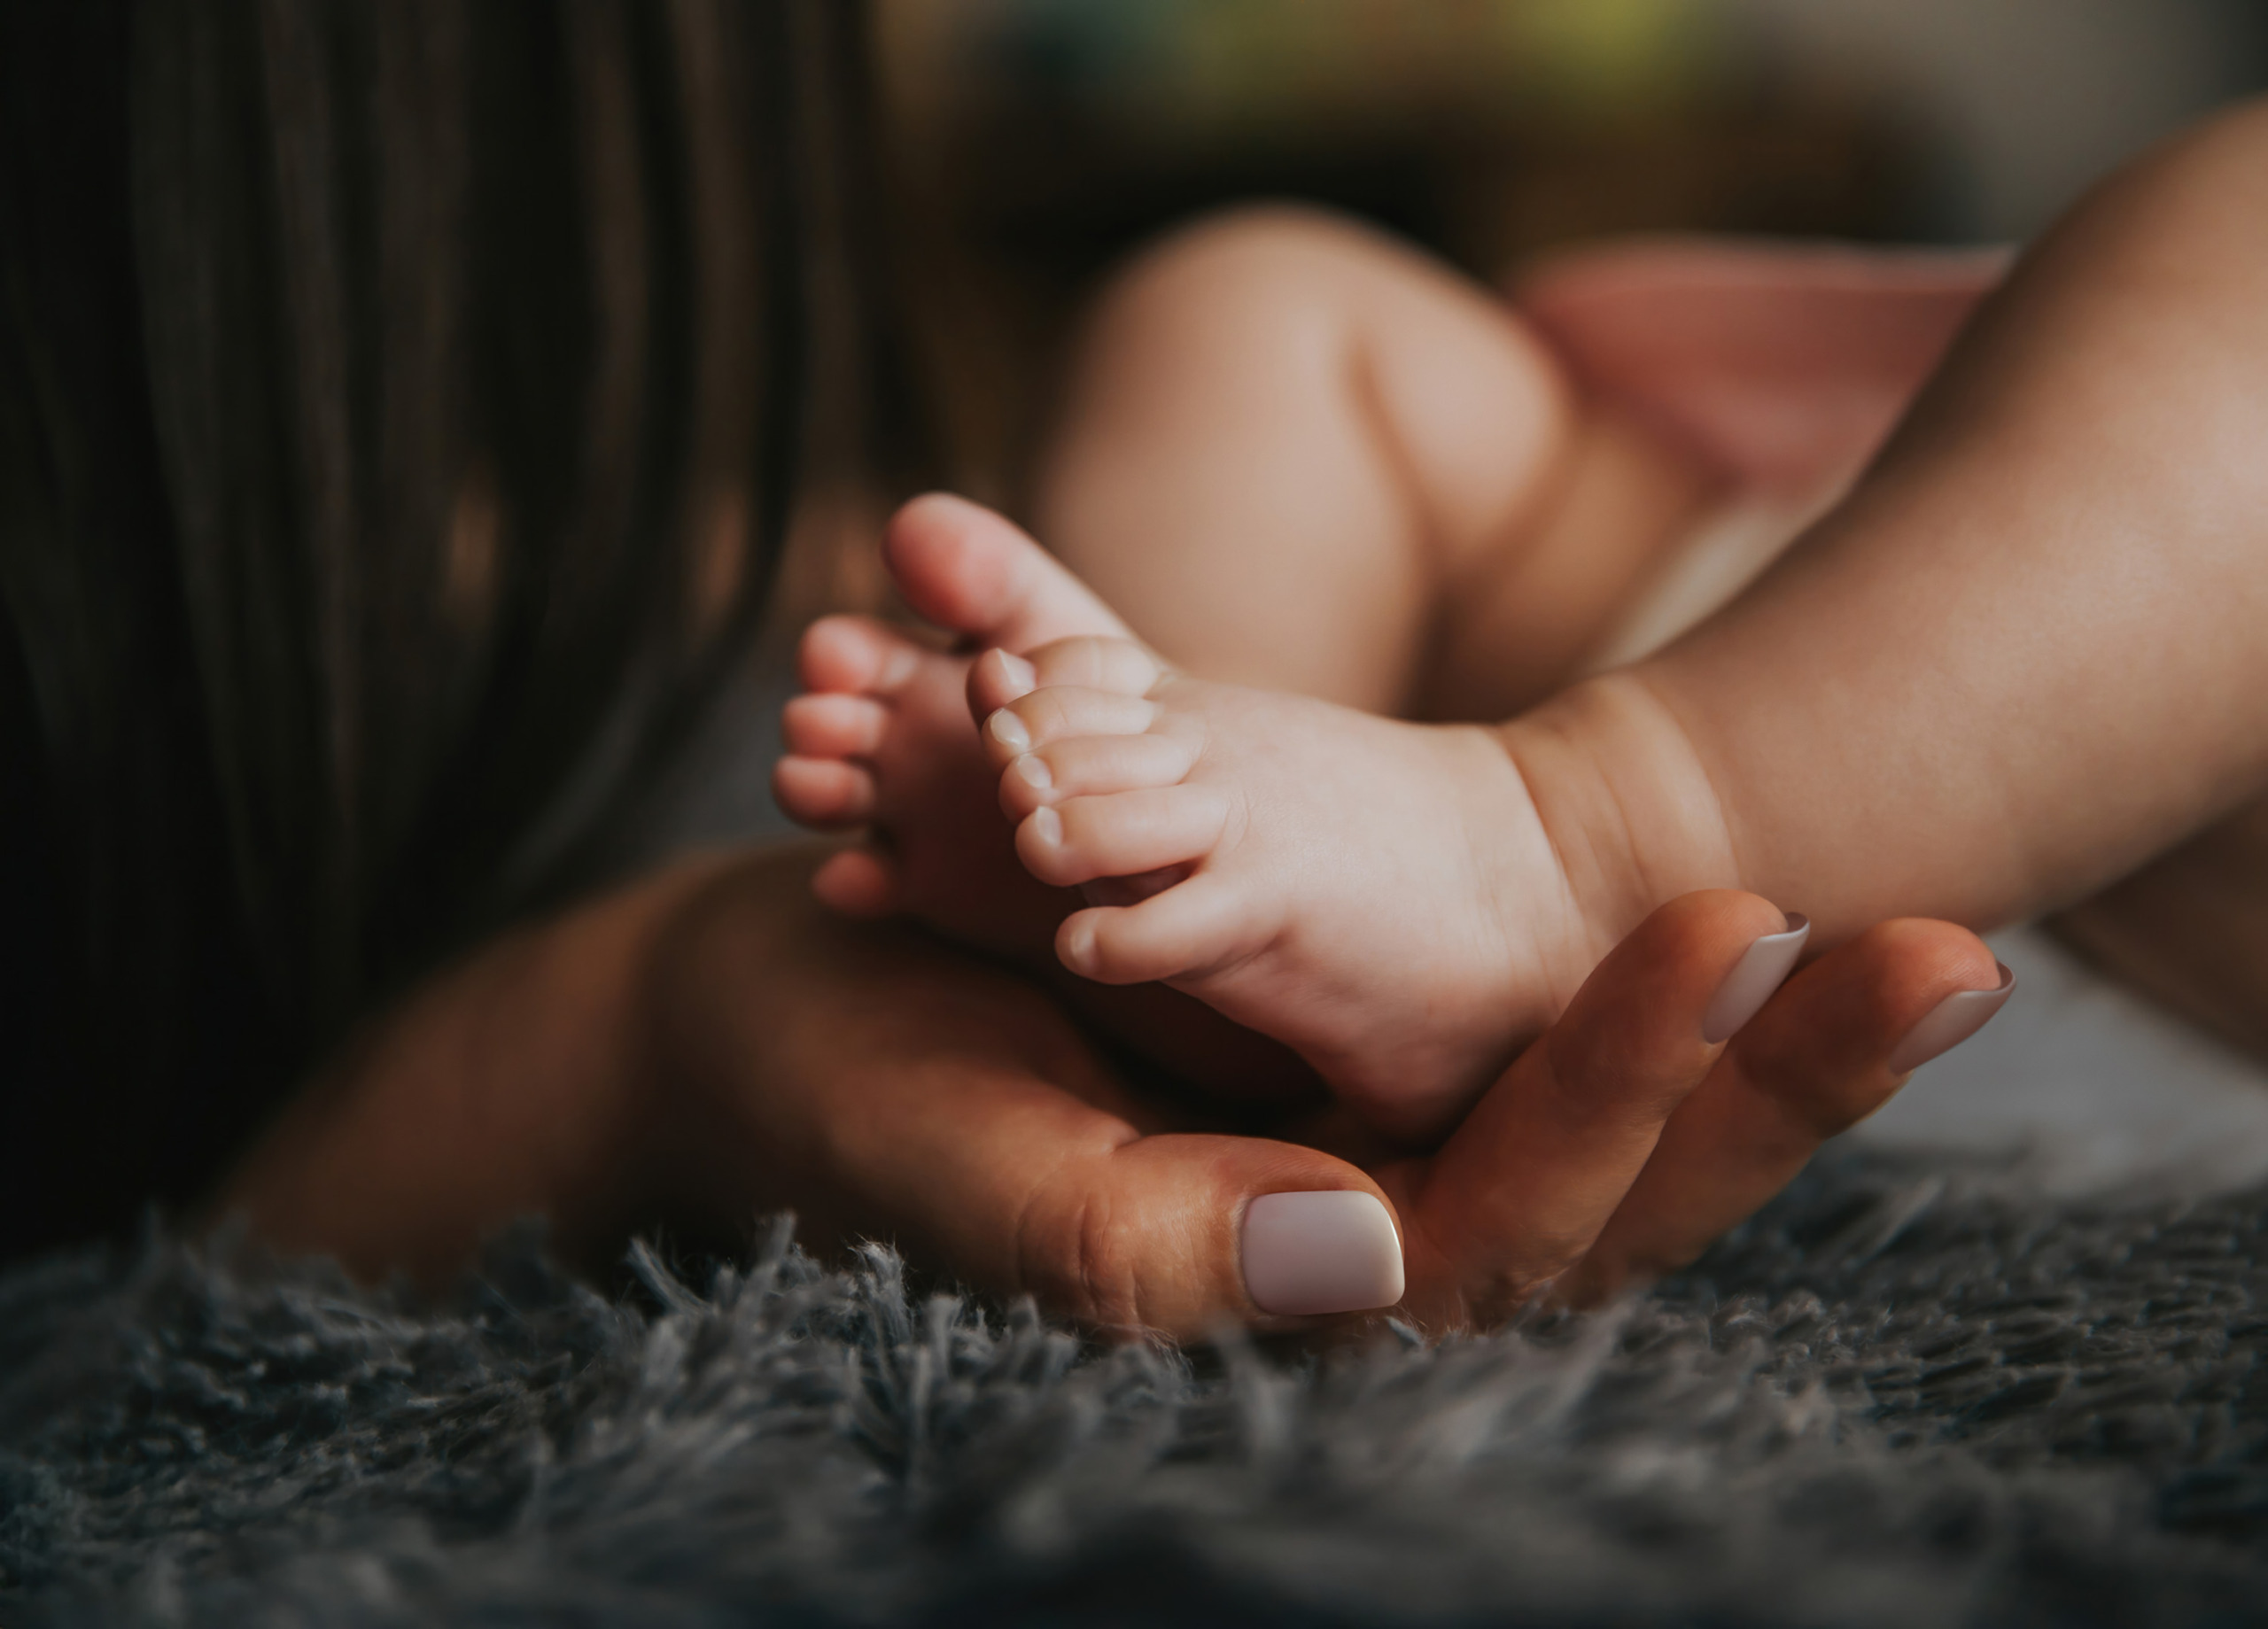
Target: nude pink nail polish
x,y
1310,1253
1760,971
1952,1021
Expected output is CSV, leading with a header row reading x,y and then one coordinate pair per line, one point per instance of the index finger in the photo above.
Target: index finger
x,y
1829,1049
1526,1183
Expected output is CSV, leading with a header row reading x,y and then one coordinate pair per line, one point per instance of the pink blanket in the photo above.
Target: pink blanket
x,y
1787,364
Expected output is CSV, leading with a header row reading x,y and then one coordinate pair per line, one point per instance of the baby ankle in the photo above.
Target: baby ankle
x,y
1631,814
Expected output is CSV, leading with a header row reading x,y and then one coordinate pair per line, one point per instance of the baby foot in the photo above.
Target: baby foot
x,y
1382,897
883,737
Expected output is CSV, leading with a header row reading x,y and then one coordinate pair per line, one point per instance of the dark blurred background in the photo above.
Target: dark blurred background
x,y
1041,139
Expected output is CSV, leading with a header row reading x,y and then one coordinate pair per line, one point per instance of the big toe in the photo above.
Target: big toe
x,y
973,572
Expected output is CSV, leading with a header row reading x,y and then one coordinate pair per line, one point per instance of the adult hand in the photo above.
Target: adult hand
x,y
885,1088
1623,1141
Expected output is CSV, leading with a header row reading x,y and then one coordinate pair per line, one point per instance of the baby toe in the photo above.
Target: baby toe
x,y
1086,838
996,678
833,725
855,655
1092,766
1094,663
968,569
861,882
1060,713
824,794
1192,927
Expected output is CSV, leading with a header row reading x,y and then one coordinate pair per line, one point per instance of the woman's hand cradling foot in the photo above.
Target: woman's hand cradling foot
x,y
885,1088
712,1045
1627,1137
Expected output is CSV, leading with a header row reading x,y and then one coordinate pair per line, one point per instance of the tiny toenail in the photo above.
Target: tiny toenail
x,y
897,667
1032,770
1047,826
1079,950
1009,731
1021,675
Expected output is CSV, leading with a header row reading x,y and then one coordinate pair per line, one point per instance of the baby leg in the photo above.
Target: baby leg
x,y
2024,655
1293,453
1389,435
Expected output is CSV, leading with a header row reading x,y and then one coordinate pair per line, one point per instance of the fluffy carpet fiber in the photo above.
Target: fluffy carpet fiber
x,y
1905,1396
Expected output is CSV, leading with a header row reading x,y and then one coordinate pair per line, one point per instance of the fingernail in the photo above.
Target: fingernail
x,y
1032,770
1952,1021
1009,731
1761,969
1020,675
1306,1254
1047,826
1079,950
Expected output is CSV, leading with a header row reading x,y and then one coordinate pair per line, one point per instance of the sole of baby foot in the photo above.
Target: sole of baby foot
x,y
1381,896
881,740
881,737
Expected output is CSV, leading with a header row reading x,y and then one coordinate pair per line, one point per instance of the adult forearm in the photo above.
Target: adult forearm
x,y
511,1084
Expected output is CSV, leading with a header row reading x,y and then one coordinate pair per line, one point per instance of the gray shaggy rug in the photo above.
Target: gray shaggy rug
x,y
1907,1394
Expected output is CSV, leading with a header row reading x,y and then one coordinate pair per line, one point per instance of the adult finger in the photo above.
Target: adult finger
x,y
883,1088
1831,1047
1525,1184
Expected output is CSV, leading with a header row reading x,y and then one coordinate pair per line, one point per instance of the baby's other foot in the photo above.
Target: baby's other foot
x,y
882,738
1379,895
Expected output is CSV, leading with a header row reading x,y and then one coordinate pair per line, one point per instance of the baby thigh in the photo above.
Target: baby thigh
x,y
1288,444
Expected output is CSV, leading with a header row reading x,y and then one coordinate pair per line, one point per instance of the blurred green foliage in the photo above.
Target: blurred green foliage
x,y
1201,71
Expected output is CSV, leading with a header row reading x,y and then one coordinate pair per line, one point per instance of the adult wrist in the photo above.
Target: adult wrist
x,y
513,1083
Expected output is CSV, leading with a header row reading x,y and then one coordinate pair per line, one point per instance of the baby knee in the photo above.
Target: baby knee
x,y
1283,257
